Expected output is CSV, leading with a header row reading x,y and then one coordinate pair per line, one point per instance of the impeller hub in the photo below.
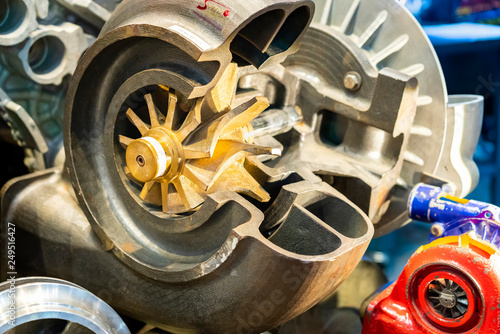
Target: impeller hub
x,y
448,299
158,155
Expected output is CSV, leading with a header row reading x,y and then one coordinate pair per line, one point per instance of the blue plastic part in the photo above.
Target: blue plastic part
x,y
431,204
457,216
486,229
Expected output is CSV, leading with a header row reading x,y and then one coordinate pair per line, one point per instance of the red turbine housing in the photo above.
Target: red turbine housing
x,y
449,286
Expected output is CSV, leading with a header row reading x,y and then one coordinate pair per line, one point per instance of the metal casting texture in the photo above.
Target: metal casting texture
x,y
149,43
19,18
252,284
373,143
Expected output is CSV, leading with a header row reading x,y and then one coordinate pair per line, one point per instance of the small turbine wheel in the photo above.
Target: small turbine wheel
x,y
447,298
179,167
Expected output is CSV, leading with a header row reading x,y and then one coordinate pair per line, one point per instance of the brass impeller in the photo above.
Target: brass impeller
x,y
178,169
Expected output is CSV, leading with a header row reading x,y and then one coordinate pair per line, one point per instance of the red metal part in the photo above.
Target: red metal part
x,y
422,304
461,324
469,266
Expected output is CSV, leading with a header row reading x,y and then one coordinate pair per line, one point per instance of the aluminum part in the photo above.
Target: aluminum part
x,y
225,165
18,18
85,135
464,123
23,127
204,255
42,8
352,81
25,132
49,54
38,298
44,105
29,70
89,10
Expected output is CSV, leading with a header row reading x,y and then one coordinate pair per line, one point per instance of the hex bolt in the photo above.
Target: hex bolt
x,y
437,230
352,81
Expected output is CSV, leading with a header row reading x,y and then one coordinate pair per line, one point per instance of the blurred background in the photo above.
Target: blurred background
x,y
466,36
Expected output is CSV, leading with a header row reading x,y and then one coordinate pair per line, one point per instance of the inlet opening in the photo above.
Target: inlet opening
x,y
46,54
12,15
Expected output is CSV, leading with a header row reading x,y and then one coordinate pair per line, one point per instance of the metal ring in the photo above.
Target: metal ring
x,y
38,298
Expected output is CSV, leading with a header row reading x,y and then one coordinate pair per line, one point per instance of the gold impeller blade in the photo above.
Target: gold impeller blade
x,y
179,166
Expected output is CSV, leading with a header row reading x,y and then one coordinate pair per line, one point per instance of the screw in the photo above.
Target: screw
x,y
437,230
352,81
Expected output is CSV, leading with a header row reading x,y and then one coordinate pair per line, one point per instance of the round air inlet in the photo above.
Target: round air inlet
x,y
12,15
46,54
447,298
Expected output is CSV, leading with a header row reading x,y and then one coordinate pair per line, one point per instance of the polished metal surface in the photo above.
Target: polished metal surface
x,y
464,123
38,298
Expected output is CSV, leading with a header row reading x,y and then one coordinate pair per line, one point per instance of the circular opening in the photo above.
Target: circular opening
x,y
46,54
446,298
12,15
140,161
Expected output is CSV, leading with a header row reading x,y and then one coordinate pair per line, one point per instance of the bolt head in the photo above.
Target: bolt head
x,y
352,81
437,230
